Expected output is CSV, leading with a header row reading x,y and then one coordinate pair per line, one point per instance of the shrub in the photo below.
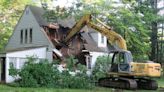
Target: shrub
x,y
102,67
45,74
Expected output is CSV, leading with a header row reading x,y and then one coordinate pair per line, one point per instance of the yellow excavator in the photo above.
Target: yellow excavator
x,y
124,73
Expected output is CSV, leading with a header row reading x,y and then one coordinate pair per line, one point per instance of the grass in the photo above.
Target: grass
x,y
5,88
161,82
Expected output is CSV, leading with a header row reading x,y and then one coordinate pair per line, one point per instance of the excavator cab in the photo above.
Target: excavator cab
x,y
121,61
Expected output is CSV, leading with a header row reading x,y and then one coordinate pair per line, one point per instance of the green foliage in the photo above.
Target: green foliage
x,y
132,27
80,80
13,71
71,62
45,74
102,67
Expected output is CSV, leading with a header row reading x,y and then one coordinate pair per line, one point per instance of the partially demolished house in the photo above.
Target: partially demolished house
x,y
34,36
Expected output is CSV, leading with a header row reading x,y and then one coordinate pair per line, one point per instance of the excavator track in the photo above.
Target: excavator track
x,y
127,83
147,84
119,83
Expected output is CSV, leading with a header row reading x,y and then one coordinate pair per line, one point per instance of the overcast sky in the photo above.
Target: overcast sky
x,y
63,3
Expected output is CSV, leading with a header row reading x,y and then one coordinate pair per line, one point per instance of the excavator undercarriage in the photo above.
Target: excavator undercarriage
x,y
128,83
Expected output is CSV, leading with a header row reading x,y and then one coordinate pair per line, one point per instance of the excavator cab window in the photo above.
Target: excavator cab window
x,y
118,58
120,62
121,58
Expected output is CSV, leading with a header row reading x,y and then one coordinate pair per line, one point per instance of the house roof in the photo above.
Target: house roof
x,y
91,44
39,14
88,38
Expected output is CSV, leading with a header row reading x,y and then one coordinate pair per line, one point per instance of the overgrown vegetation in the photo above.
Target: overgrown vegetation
x,y
41,73
101,68
45,74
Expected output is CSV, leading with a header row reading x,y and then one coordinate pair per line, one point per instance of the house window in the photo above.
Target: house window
x,y
102,39
21,36
30,35
26,36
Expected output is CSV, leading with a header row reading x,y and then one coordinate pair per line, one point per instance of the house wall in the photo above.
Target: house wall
x,y
18,58
26,22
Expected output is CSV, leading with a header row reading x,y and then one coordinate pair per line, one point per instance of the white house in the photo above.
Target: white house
x,y
34,36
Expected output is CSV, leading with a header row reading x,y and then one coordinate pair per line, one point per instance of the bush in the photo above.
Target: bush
x,y
101,68
45,74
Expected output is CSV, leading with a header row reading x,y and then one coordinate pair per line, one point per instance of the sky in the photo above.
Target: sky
x,y
62,3
55,3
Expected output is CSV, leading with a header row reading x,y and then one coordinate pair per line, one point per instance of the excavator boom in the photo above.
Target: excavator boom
x,y
77,27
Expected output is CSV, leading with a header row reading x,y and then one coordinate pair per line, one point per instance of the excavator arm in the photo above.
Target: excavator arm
x,y
113,37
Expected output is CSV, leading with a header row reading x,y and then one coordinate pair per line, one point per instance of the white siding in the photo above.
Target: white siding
x,y
39,52
49,56
17,58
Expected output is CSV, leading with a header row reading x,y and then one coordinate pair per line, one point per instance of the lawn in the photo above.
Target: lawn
x,y
5,88
161,82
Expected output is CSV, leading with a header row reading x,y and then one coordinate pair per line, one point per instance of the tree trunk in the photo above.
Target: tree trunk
x,y
153,56
154,42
